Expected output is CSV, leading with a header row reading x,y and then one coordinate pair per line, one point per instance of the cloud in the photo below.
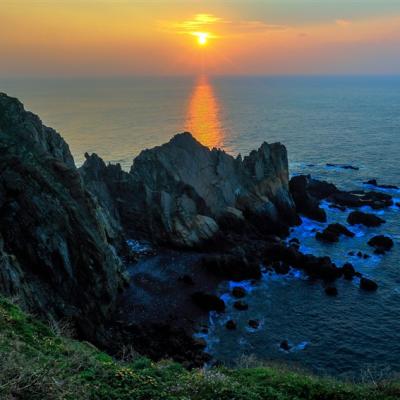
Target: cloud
x,y
222,27
343,22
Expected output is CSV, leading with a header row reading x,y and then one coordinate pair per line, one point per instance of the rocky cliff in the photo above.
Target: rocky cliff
x,y
180,193
57,244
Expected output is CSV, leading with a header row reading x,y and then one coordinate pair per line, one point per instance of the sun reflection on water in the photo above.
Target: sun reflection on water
x,y
202,118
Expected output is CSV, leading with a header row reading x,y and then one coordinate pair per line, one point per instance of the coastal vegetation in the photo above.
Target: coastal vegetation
x,y
39,363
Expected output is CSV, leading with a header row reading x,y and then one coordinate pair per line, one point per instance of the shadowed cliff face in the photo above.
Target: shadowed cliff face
x,y
179,193
57,245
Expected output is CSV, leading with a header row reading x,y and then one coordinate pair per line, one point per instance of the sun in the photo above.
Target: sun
x,y
202,38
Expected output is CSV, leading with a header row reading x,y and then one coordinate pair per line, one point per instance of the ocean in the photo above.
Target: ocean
x,y
343,120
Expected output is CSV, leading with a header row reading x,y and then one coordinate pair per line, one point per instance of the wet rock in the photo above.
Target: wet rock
x,y
319,267
369,220
231,325
284,345
381,243
240,305
208,302
236,268
331,291
306,203
332,233
348,271
254,323
238,292
359,198
280,267
342,166
368,284
374,182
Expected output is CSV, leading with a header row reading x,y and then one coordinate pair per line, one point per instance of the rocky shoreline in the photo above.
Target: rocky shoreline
x,y
64,233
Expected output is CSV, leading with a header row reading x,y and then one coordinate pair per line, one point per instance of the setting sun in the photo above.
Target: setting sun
x,y
202,38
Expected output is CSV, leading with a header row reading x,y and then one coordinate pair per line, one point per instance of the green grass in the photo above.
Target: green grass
x,y
36,363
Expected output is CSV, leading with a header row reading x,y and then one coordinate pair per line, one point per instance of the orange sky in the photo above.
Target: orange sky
x,y
129,37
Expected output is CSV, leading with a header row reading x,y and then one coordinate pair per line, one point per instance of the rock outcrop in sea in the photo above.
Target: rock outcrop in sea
x,y
58,246
180,193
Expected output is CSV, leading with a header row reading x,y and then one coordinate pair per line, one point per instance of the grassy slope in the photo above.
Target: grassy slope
x,y
37,364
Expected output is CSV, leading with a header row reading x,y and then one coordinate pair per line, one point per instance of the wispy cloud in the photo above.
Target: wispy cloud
x,y
219,27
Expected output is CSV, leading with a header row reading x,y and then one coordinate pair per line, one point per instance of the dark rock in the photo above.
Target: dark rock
x,y
186,189
208,302
319,267
306,203
369,220
375,200
348,271
331,291
238,292
57,244
332,233
368,284
240,305
280,267
231,325
254,323
284,345
342,166
373,182
381,242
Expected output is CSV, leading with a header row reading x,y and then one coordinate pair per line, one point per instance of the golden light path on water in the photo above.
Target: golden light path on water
x,y
203,114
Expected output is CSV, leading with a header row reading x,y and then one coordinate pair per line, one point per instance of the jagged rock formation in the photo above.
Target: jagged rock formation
x,y
179,192
57,245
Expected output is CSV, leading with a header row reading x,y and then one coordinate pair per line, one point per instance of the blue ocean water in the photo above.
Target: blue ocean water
x,y
349,120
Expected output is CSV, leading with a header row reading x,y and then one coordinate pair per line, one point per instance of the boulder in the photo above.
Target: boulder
x,y
369,220
359,198
254,323
348,271
332,233
240,305
342,166
381,243
238,292
284,345
208,302
230,324
368,284
374,182
280,267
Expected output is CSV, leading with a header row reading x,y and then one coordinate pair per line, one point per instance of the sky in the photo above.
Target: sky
x,y
161,37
